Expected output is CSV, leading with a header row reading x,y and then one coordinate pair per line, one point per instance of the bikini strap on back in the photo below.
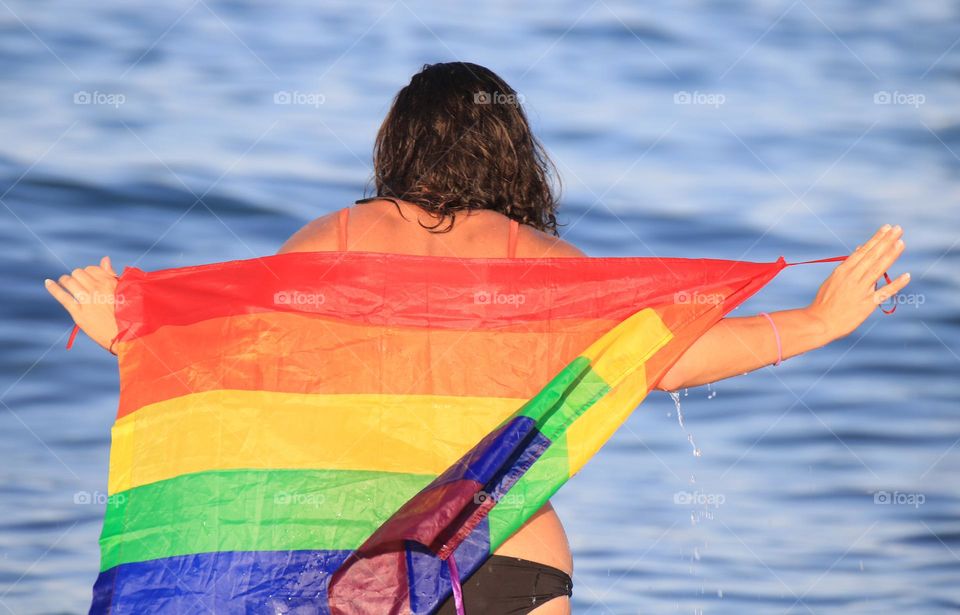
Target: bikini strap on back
x,y
342,217
512,240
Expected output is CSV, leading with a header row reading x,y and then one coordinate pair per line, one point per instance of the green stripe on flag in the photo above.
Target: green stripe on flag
x,y
251,510
530,493
565,398
559,404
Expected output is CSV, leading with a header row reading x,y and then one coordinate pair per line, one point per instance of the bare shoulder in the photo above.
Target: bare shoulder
x,y
537,244
318,235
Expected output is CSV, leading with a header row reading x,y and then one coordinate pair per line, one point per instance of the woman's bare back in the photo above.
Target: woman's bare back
x,y
378,226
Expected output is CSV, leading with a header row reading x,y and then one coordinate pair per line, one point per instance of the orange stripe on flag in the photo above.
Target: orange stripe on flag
x,y
297,353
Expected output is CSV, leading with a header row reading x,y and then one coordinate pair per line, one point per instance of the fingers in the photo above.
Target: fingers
x,y
883,254
887,259
62,296
107,265
854,259
85,283
878,238
891,289
84,278
98,273
879,255
73,285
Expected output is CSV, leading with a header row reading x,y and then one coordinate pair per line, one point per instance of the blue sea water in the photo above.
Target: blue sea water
x,y
194,131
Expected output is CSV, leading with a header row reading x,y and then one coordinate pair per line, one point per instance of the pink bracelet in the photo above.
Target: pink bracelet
x,y
776,334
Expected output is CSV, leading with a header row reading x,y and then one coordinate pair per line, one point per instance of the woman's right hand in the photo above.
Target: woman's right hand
x,y
88,295
848,296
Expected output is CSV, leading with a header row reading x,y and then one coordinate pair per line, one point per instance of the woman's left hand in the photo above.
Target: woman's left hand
x,y
850,295
88,295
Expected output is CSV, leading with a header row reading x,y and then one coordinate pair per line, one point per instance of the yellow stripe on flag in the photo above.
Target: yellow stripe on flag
x,y
618,357
231,429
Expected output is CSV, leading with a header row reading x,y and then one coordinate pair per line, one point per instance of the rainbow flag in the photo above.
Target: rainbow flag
x,y
318,432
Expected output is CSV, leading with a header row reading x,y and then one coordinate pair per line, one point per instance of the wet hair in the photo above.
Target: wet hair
x,y
456,139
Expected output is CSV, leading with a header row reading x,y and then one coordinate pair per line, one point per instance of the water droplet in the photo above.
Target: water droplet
x,y
676,402
675,396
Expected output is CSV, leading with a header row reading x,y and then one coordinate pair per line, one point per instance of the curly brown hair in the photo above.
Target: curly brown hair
x,y
455,139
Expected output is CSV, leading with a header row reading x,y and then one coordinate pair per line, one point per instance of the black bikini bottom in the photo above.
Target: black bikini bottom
x,y
510,586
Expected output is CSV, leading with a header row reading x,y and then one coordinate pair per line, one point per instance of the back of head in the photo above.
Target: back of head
x,y
456,138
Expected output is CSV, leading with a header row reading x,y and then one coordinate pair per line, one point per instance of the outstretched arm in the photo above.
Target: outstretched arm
x,y
735,346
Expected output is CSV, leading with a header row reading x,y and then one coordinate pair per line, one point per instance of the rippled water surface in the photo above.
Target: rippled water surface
x,y
731,130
